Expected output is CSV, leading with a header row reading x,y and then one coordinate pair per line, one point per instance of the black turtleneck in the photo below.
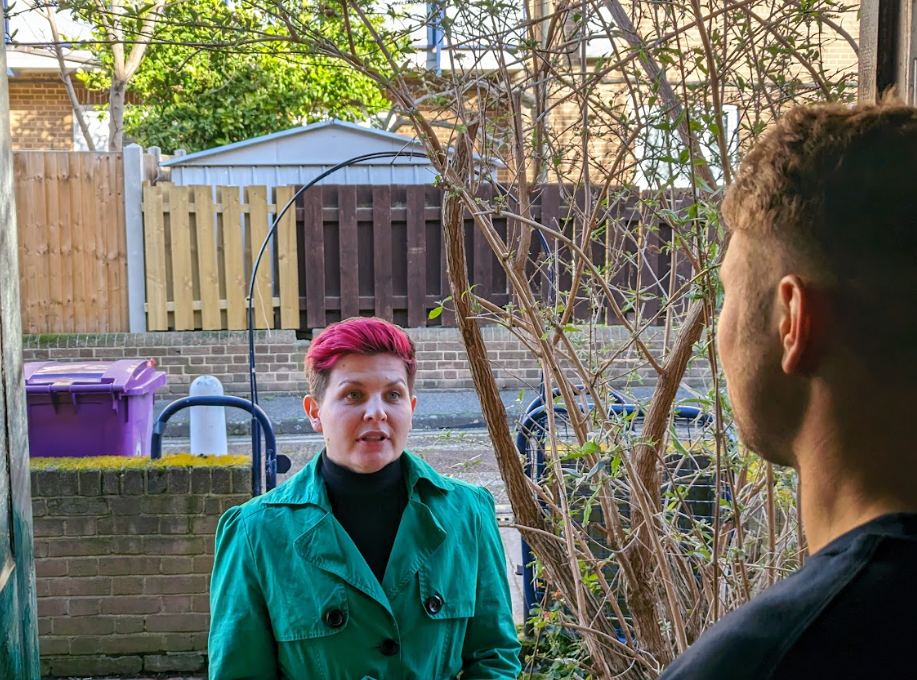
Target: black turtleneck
x,y
369,507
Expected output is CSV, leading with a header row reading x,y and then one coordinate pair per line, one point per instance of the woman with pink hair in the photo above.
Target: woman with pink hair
x,y
367,563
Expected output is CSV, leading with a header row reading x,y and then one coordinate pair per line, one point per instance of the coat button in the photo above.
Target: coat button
x,y
434,604
335,618
389,647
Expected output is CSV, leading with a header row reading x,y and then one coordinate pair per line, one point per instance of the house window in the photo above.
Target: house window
x,y
97,121
662,157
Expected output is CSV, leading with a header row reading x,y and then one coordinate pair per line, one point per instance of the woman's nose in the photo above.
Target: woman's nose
x,y
375,409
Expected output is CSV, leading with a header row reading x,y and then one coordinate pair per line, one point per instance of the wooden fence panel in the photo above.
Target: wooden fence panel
x,y
348,251
314,260
29,225
66,241
72,241
78,250
482,256
357,250
287,261
94,276
236,283
382,250
182,273
203,252
154,250
208,263
263,299
53,254
417,262
99,207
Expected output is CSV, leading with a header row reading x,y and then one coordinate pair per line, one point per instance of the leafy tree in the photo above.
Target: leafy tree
x,y
200,85
124,29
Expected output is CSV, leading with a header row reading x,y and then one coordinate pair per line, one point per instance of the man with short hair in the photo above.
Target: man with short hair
x,y
817,340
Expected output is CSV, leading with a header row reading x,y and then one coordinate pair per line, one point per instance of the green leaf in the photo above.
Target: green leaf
x,y
435,312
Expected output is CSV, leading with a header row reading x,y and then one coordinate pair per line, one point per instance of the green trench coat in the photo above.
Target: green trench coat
x,y
293,599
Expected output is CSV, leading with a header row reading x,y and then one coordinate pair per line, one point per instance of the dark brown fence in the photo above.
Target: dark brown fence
x,y
378,250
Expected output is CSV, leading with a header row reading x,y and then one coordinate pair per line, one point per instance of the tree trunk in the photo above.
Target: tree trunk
x,y
525,507
116,98
68,81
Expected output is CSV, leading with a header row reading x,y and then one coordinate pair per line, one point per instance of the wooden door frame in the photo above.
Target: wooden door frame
x,y
18,608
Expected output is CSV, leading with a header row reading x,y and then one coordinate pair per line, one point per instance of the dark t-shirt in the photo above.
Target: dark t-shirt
x,y
849,614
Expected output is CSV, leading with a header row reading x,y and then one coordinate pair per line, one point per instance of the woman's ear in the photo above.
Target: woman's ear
x,y
311,407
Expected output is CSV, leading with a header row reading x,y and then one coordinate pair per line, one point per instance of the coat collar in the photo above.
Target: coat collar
x,y
308,488
326,544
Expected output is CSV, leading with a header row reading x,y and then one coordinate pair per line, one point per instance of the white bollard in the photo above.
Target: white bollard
x,y
208,423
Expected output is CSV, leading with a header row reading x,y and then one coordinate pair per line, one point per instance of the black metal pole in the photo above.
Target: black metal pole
x,y
253,380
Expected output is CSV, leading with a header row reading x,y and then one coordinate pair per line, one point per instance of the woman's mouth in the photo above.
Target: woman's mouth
x,y
373,438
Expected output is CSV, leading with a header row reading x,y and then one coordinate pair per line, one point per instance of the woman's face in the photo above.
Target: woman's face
x,y
366,412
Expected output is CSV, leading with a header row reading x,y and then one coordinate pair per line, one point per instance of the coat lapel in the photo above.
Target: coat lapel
x,y
328,546
325,543
418,537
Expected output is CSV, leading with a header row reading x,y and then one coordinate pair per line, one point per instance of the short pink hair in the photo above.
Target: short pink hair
x,y
358,335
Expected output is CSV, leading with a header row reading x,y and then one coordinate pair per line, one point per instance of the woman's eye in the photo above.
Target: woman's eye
x,y
353,395
394,394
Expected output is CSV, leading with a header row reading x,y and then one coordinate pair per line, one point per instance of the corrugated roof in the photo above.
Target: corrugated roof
x,y
327,155
410,144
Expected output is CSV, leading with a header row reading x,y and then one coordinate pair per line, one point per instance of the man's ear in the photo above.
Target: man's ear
x,y
311,406
797,307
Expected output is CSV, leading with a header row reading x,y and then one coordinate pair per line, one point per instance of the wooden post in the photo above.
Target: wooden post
x,y
133,227
18,607
888,50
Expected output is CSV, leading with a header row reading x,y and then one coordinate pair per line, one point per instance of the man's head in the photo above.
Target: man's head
x,y
361,381
821,272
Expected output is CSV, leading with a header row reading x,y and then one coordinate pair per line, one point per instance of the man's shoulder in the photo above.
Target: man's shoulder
x,y
750,642
746,641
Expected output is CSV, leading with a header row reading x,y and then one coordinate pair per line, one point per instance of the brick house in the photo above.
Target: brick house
x,y
41,116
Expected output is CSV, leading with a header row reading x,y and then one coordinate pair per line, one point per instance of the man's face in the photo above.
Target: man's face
x,y
366,412
768,404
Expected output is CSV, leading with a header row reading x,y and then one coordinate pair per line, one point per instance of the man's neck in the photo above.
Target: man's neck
x,y
851,473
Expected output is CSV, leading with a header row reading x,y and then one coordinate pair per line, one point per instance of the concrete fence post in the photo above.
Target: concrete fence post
x,y
133,226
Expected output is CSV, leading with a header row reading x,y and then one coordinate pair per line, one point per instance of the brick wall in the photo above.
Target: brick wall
x,y
187,355
40,113
441,360
123,562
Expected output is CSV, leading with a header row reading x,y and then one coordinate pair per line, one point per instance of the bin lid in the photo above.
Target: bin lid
x,y
126,376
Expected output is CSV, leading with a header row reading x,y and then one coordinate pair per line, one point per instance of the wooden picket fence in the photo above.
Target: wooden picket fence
x,y
72,252
357,250
199,251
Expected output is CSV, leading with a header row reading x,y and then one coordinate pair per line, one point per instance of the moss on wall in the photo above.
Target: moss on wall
x,y
182,460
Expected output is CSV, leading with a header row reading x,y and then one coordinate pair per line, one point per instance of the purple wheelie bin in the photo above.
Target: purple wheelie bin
x,y
97,408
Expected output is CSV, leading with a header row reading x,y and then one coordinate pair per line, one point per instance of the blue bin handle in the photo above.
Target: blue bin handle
x,y
270,439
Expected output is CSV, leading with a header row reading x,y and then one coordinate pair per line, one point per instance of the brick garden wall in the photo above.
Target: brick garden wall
x,y
123,562
442,362
187,355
